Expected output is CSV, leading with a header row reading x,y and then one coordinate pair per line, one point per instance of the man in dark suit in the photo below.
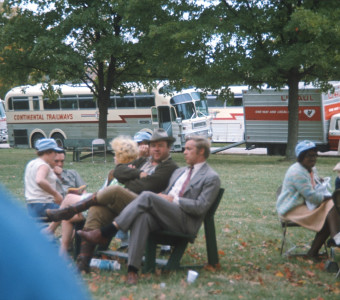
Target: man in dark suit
x,y
181,208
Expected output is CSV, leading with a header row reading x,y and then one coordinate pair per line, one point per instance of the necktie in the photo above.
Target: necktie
x,y
185,183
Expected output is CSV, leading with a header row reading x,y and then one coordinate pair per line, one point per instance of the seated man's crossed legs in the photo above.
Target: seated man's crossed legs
x,y
110,202
115,197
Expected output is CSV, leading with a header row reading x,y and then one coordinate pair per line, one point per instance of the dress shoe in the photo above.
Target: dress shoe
x,y
132,278
93,236
67,213
56,215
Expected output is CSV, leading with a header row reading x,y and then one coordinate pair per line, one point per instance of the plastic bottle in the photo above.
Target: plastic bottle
x,y
104,264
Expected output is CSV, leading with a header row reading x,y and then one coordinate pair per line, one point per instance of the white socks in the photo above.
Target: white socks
x,y
336,239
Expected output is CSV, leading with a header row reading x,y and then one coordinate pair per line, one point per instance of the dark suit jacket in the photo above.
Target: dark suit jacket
x,y
155,182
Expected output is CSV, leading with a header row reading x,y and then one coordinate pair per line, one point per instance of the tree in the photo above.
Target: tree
x,y
270,42
103,44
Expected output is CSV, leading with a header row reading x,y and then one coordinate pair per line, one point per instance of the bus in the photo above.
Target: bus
x,y
74,115
3,123
227,116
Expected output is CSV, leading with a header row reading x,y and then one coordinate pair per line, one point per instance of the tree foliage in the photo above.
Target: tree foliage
x,y
275,43
103,44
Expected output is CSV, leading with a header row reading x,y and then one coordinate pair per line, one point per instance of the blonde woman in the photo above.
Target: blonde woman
x,y
125,150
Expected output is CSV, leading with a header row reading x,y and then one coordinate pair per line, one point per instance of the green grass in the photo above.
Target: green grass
x,y
248,233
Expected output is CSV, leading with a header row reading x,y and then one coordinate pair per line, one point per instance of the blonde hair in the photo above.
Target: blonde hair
x,y
125,148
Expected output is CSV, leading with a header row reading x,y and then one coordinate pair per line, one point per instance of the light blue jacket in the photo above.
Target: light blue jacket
x,y
297,188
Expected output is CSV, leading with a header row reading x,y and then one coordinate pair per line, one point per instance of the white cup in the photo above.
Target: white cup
x,y
192,275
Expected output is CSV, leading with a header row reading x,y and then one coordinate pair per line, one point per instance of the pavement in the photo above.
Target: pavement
x,y
263,151
4,145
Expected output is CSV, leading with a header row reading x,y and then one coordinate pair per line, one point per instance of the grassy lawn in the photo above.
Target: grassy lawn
x,y
248,233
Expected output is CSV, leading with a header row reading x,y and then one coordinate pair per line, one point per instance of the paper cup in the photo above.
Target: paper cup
x,y
192,275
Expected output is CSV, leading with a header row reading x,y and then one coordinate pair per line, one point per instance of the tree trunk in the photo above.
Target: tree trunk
x,y
293,116
103,100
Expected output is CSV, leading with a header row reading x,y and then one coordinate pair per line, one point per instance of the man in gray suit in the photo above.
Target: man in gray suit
x,y
181,208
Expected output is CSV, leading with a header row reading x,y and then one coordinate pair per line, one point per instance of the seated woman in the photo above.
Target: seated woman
x,y
299,195
126,151
41,182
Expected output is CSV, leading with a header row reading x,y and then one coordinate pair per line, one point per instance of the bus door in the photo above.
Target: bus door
x,y
165,117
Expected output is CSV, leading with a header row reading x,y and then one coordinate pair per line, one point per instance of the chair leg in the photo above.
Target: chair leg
x,y
176,255
211,243
150,255
283,238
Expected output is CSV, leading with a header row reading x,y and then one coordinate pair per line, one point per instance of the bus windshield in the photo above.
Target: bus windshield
x,y
2,110
186,109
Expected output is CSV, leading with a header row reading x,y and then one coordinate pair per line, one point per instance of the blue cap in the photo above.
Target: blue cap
x,y
304,146
142,136
47,144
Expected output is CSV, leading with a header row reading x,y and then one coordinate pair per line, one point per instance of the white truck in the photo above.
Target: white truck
x,y
266,118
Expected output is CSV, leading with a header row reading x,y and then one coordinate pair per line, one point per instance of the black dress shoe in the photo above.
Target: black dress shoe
x,y
93,236
132,278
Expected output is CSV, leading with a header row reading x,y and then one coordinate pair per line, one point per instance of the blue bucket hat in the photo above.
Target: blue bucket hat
x,y
142,136
47,144
304,146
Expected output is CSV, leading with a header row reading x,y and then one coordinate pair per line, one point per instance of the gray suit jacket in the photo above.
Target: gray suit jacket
x,y
199,194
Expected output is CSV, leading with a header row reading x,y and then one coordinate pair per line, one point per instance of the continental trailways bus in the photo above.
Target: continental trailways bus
x,y
74,115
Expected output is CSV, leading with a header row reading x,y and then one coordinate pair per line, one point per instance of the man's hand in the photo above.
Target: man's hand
x,y
57,170
166,197
143,174
58,198
143,150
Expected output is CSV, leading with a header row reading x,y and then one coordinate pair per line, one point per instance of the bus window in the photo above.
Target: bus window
x,y
69,102
36,105
214,101
145,100
180,98
185,110
202,107
86,102
112,101
51,104
20,103
173,114
125,102
235,101
154,114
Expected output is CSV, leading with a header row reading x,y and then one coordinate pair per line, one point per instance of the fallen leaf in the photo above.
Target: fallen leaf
x,y
310,273
279,274
215,292
211,283
93,287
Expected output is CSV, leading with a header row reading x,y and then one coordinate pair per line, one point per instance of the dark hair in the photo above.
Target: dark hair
x,y
41,153
303,154
201,143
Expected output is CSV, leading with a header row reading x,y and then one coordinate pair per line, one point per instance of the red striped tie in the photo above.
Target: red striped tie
x,y
185,183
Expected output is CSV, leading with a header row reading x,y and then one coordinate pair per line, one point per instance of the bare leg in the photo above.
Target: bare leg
x,y
331,228
69,200
67,233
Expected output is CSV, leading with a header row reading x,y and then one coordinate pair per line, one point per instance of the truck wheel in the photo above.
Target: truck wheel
x,y
270,150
